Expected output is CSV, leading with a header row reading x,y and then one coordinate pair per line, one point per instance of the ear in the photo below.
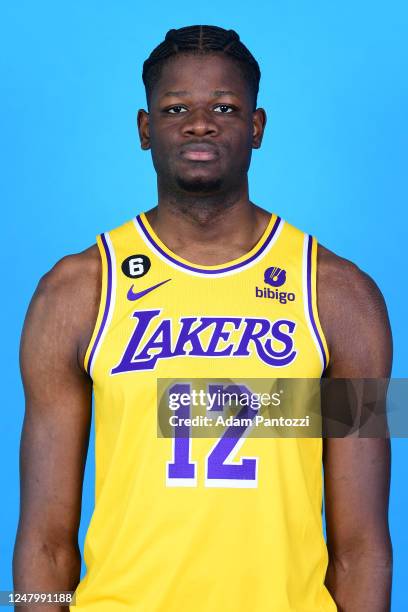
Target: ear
x,y
143,128
258,127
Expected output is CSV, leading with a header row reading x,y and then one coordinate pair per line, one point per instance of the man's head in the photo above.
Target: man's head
x,y
201,87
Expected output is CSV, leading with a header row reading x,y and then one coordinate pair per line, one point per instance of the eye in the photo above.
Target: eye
x,y
223,108
176,110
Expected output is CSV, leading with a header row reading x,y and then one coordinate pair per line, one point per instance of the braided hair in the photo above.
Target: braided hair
x,y
201,40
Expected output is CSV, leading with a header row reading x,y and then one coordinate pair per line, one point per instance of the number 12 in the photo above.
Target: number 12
x,y
220,468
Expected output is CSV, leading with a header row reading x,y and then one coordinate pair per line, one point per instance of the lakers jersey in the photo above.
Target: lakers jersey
x,y
197,525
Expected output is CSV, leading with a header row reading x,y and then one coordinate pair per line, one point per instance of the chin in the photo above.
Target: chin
x,y
199,184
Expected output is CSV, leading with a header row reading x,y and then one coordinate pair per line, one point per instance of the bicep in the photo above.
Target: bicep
x,y
357,469
57,419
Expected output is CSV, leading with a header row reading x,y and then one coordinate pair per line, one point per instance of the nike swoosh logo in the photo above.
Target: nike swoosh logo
x,y
131,295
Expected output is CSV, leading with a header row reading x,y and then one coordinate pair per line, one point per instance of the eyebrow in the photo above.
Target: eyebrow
x,y
175,93
217,93
222,92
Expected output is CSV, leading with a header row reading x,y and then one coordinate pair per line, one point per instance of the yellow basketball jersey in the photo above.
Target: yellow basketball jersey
x,y
199,527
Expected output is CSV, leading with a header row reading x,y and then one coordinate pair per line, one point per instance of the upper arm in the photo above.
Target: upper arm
x,y
357,469
58,406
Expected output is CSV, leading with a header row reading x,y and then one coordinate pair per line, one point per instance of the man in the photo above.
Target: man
x,y
182,292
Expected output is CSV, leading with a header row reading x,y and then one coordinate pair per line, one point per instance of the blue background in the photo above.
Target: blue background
x,y
332,163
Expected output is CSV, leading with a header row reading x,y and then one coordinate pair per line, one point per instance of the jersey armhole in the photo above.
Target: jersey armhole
x,y
106,301
310,291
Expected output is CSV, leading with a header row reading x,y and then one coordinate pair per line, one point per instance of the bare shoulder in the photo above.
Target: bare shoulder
x,y
337,275
353,314
79,272
66,300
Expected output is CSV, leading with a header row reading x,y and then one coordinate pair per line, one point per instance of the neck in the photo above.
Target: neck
x,y
210,228
201,209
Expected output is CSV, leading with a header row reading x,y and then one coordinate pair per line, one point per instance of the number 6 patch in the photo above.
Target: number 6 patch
x,y
136,266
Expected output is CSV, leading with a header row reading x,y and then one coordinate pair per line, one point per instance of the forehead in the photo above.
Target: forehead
x,y
201,75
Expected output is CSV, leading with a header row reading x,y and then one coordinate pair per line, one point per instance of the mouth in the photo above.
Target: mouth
x,y
200,152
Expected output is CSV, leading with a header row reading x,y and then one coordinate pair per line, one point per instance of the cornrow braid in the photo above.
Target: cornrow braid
x,y
201,40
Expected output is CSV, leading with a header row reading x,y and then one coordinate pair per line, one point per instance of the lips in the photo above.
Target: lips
x,y
199,152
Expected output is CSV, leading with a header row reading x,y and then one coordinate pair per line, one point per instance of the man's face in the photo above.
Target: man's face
x,y
201,127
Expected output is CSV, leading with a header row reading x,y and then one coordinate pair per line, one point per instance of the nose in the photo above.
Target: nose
x,y
200,123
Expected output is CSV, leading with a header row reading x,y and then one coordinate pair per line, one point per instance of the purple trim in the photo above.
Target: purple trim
x,y
107,303
309,299
204,270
